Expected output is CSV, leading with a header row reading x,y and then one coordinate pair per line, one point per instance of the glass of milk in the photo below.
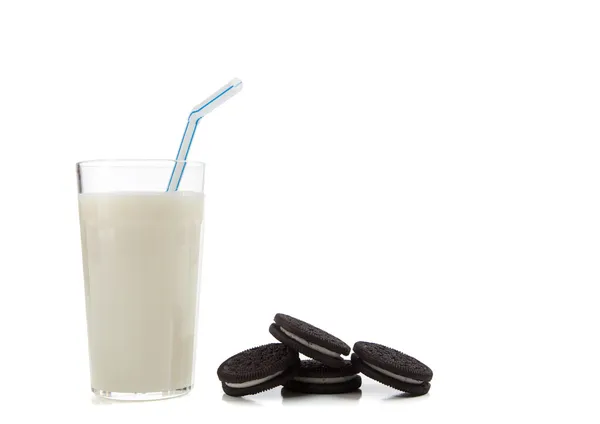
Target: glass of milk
x,y
142,250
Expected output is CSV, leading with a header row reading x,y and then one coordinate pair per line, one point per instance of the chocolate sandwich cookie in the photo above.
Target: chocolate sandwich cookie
x,y
258,369
392,368
309,340
317,378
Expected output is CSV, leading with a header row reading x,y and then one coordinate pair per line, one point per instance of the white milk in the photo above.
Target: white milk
x,y
141,258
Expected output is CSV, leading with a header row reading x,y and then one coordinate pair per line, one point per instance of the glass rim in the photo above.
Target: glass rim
x,y
107,163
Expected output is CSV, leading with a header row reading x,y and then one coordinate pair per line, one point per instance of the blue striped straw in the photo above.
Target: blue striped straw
x,y
219,97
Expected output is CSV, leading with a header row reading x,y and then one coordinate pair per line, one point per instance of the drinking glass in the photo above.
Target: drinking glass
x,y
142,250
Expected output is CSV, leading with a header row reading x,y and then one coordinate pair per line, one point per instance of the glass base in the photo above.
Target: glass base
x,y
142,396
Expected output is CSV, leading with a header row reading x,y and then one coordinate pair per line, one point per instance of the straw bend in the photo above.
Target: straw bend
x,y
198,112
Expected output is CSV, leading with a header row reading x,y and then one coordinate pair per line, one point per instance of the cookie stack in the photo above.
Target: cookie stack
x,y
278,364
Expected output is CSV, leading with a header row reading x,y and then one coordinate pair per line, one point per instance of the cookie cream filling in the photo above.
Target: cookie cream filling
x,y
309,344
391,374
253,382
324,380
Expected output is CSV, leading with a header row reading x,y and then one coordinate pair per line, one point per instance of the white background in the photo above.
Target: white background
x,y
419,174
